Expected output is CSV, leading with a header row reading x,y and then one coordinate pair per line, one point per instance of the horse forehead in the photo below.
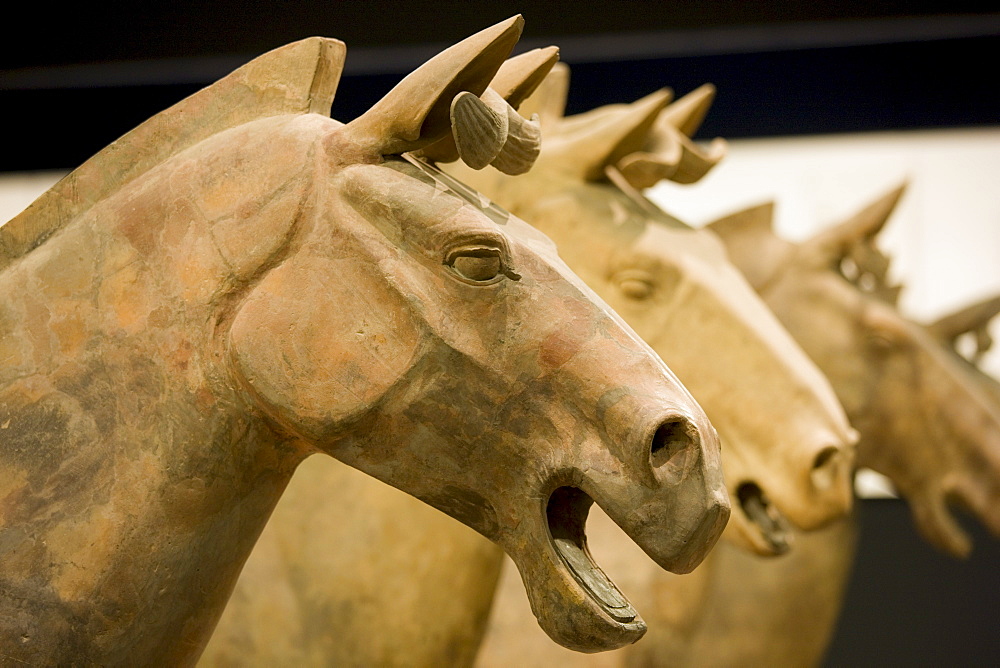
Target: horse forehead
x,y
396,190
696,254
401,193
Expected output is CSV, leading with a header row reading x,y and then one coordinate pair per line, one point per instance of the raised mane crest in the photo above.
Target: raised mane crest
x,y
298,78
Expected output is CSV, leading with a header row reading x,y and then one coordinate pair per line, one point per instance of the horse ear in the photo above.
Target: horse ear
x,y
669,152
319,341
520,76
489,127
587,148
755,221
417,111
832,244
751,242
686,114
549,99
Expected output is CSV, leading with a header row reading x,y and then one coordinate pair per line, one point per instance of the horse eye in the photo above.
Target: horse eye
x,y
880,341
479,265
635,284
635,288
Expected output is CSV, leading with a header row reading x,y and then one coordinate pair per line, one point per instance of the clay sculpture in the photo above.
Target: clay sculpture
x,y
922,422
664,277
928,420
386,557
241,282
625,263
787,444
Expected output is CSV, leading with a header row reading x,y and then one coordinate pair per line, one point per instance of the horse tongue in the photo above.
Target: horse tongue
x,y
594,580
772,525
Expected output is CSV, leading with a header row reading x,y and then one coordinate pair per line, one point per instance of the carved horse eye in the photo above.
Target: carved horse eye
x,y
635,284
481,265
881,341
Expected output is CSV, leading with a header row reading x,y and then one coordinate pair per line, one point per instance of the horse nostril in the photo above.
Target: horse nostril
x,y
674,437
824,468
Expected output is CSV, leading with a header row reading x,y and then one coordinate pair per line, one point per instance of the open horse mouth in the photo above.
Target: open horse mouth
x,y
772,535
567,513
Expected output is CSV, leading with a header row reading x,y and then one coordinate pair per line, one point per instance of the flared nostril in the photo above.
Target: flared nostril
x,y
673,442
824,457
825,468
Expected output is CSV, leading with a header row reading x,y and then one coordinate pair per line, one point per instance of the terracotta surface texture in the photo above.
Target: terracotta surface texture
x,y
787,447
242,282
927,411
929,419
666,280
925,417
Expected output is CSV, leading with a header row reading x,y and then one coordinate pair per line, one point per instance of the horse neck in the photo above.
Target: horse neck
x,y
134,477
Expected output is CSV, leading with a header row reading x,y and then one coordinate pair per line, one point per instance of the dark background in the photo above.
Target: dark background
x,y
72,80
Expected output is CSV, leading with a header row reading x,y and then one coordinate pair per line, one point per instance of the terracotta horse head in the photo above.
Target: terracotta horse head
x,y
924,420
788,449
241,282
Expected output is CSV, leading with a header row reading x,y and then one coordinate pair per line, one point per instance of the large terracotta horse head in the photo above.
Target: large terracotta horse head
x,y
241,282
788,449
925,421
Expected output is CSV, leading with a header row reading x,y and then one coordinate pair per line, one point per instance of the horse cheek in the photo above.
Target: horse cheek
x,y
320,341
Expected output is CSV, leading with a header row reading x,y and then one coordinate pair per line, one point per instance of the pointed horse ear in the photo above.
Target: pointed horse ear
x,y
493,131
519,77
548,101
751,242
755,221
832,244
417,111
588,148
686,114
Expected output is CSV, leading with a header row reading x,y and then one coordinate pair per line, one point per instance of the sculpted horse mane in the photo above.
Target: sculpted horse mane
x,y
300,78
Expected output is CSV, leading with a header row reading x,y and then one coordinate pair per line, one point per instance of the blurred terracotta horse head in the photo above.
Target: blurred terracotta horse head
x,y
242,281
788,450
926,421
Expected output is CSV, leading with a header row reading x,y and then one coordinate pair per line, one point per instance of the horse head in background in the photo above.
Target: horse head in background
x,y
925,420
788,449
241,282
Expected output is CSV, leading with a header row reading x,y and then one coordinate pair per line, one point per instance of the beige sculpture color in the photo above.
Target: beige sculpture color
x,y
924,421
938,422
787,447
241,282
973,320
927,422
787,442
810,582
679,602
